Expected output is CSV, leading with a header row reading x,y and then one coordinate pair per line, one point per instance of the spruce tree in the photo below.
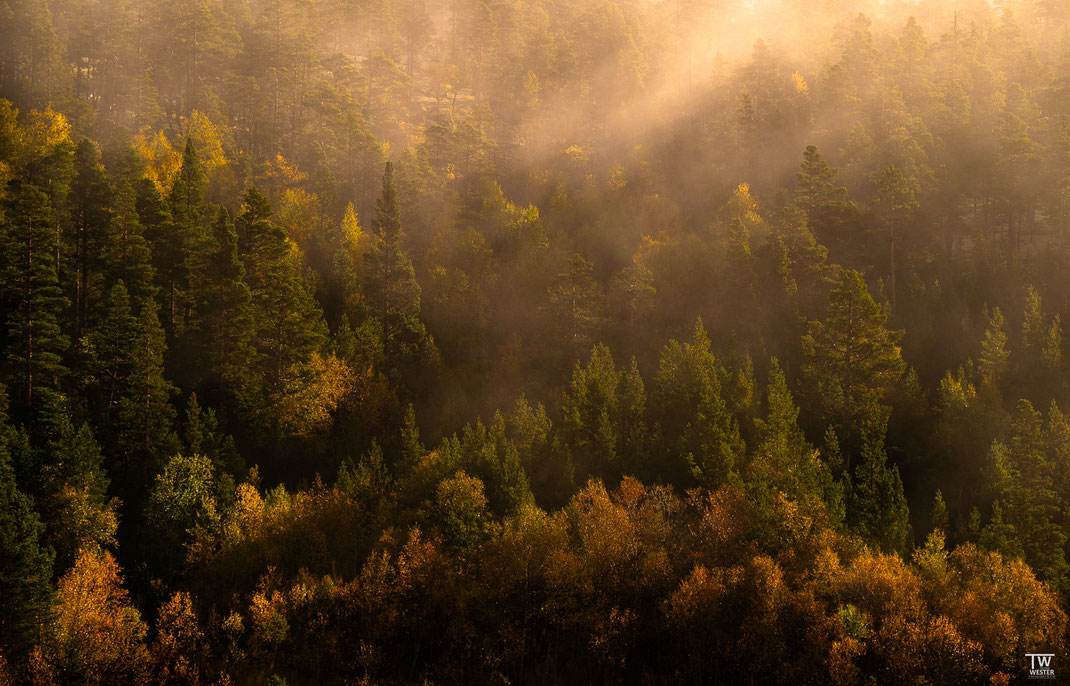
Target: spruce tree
x,y
896,204
700,436
113,340
994,355
165,249
824,203
588,417
938,518
791,463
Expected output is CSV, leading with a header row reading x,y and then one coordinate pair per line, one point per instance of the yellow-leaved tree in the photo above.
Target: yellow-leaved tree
x,y
98,635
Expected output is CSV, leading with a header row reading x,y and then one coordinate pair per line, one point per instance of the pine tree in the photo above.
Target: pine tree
x,y
73,500
288,325
145,417
1027,475
994,354
938,519
90,202
261,243
852,360
165,249
633,437
790,463
112,340
1041,342
823,203
187,209
878,509
126,254
202,435
224,309
391,288
1034,330
36,341
588,417
896,204
576,305
487,453
344,249
25,565
690,410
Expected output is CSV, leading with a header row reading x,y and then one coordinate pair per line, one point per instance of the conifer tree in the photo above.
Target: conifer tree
x,y
73,500
790,463
878,509
822,201
113,339
576,305
145,417
126,254
35,339
852,360
187,233
1026,475
938,519
25,565
224,308
588,416
994,353
288,325
896,204
692,414
154,215
90,211
391,288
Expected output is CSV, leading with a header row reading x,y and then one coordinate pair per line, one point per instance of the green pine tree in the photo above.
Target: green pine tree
x,y
390,285
878,509
35,339
145,418
288,325
224,309
25,564
690,410
187,235
90,212
852,360
126,254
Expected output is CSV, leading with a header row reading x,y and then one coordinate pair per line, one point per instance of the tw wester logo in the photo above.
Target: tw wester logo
x,y
1040,665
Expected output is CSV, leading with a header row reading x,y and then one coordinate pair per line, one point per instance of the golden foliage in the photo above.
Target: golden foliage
x,y
208,140
98,633
178,641
162,160
311,397
44,130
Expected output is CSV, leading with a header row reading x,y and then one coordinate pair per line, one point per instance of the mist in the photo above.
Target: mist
x,y
534,341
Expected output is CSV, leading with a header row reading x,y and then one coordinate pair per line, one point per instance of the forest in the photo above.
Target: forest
x,y
534,341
